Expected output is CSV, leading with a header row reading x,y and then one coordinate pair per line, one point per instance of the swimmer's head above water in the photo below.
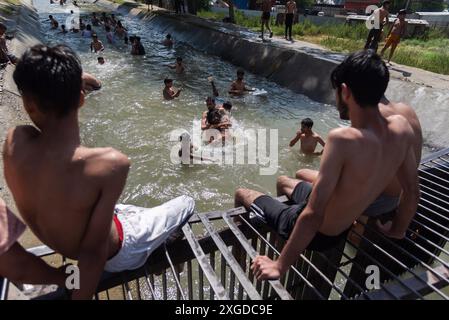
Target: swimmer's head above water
x,y
227,106
168,82
100,60
240,74
210,103
306,125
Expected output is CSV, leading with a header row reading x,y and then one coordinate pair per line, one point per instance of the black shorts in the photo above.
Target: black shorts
x,y
282,217
289,19
265,16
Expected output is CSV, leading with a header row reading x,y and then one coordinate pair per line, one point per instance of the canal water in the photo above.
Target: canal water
x,y
129,114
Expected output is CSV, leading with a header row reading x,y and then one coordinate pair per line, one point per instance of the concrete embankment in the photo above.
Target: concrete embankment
x,y
23,23
302,67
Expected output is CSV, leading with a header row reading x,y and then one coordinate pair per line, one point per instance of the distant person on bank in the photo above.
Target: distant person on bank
x,y
290,14
380,20
397,31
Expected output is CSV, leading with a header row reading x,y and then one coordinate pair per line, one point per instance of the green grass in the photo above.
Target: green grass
x,y
429,51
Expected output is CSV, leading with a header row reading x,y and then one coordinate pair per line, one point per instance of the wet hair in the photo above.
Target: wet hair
x,y
2,26
167,81
213,116
107,28
178,59
51,77
385,2
100,58
71,11
50,16
137,39
89,27
402,12
240,72
168,36
307,122
366,74
227,106
62,26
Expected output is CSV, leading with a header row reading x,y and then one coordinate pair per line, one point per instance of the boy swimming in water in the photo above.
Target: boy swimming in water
x,y
179,66
100,60
397,31
96,45
168,41
238,86
308,138
53,22
168,92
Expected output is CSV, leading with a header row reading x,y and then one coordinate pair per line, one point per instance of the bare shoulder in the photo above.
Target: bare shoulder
x,y
400,125
342,135
105,162
18,136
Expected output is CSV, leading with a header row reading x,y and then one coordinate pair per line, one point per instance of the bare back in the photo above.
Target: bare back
x,y
56,190
367,161
387,109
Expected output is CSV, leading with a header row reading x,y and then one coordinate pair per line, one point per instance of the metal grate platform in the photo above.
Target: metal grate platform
x,y
213,258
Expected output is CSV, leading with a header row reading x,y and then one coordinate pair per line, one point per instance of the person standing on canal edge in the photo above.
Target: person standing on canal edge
x,y
290,12
380,19
266,15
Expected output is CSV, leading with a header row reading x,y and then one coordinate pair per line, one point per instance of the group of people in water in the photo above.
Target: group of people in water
x,y
67,193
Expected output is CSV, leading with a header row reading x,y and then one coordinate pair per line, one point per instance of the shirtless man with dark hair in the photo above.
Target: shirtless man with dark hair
x,y
266,15
68,193
357,165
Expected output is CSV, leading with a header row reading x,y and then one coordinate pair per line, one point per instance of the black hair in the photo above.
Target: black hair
x,y
385,2
137,39
168,36
178,59
213,116
50,16
2,26
94,35
89,27
240,71
100,58
107,28
366,74
402,11
167,80
227,105
307,122
62,26
51,76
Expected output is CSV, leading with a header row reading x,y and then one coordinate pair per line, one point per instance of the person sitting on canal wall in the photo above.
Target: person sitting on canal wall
x,y
5,56
238,86
168,41
18,265
168,92
358,163
96,45
308,138
71,204
178,66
